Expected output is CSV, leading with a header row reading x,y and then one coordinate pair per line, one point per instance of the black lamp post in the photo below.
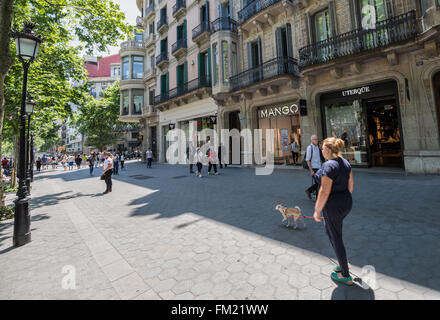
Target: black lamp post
x,y
32,158
30,105
27,45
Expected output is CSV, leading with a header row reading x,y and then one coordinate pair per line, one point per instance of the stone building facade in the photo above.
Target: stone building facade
x,y
362,70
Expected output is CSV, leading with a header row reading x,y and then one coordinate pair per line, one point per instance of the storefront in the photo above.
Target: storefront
x,y
284,119
367,118
192,129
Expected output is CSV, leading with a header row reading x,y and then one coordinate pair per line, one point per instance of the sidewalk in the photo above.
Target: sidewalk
x,y
162,234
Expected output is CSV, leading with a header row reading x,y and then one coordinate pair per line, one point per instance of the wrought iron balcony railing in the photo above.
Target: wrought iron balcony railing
x,y
163,56
179,44
253,8
201,28
163,21
270,69
179,5
149,9
394,30
221,24
203,82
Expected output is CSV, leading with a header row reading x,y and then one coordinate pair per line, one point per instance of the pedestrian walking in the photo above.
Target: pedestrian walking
x,y
149,157
5,162
335,201
190,151
313,160
38,162
78,161
96,160
44,162
70,161
54,163
198,160
221,148
122,161
91,161
107,173
84,160
116,164
212,160
294,149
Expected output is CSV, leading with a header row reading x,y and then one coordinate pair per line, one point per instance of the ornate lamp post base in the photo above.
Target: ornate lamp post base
x,y
22,222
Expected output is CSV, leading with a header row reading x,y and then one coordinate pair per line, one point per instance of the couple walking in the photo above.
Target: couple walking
x,y
196,156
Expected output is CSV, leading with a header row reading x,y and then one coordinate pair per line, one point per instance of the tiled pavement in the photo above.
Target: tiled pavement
x,y
162,234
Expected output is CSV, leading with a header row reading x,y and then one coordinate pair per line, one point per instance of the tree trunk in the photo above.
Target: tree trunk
x,y
6,11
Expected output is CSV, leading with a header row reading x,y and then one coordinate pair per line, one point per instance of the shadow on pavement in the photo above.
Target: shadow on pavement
x,y
390,226
353,292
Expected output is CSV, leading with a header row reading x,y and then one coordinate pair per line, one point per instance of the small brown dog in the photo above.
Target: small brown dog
x,y
287,213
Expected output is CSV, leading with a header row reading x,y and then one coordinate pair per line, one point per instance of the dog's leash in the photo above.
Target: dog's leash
x,y
309,217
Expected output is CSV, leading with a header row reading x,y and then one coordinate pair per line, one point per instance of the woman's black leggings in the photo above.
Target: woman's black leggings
x,y
333,227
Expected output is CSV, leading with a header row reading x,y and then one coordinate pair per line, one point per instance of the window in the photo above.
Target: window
x,y
423,7
138,36
151,97
116,71
234,62
125,68
152,62
216,64
225,57
138,101
125,102
93,92
138,67
322,26
134,135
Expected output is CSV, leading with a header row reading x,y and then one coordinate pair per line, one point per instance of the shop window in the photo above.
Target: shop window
x,y
346,120
139,36
225,58
436,84
138,67
138,101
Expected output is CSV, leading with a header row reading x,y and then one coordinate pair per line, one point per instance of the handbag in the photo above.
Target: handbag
x,y
304,162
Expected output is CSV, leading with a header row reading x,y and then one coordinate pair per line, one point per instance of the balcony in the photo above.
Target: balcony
x,y
150,41
149,12
224,24
162,59
179,47
259,12
162,24
179,8
201,32
387,32
132,45
268,70
183,92
149,111
150,75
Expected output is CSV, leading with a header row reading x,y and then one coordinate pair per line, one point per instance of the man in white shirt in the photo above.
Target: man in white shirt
x,y
107,173
313,158
149,157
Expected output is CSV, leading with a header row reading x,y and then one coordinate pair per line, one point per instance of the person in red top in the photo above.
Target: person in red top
x,y
212,160
5,163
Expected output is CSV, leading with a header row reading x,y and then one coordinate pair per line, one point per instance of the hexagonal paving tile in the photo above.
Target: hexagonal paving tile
x,y
182,287
286,292
220,276
298,280
236,267
221,289
309,293
321,282
311,270
258,279
202,287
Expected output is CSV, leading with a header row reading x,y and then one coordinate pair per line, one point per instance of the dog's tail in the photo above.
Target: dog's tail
x,y
298,208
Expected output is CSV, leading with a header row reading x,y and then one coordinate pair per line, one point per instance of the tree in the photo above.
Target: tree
x,y
96,24
98,118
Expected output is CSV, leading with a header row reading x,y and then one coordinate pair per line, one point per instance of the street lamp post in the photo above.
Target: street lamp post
x,y
30,105
27,45
32,158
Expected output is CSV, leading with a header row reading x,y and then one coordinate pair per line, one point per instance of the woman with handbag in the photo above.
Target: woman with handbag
x,y
107,173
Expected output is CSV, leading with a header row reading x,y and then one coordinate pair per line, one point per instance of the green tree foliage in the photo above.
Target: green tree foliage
x,y
93,24
97,119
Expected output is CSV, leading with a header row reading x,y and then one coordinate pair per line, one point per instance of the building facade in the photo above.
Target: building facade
x,y
366,71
